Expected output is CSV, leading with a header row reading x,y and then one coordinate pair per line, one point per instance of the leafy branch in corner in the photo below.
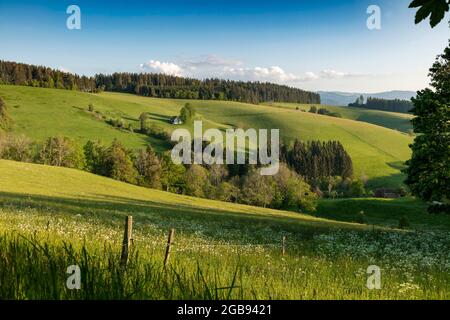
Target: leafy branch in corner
x,y
436,9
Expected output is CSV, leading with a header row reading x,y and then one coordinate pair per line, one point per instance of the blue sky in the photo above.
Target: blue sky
x,y
316,44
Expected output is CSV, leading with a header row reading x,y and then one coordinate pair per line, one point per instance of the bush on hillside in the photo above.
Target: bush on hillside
x,y
5,120
61,152
149,168
16,148
313,109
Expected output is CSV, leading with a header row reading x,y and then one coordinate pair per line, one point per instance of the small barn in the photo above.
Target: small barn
x,y
386,193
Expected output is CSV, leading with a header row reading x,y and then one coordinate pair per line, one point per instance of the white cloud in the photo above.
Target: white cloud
x,y
270,74
65,70
309,76
215,66
210,61
333,74
168,68
277,74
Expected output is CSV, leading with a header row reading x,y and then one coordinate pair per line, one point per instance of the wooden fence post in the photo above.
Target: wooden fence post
x,y
168,248
126,244
283,245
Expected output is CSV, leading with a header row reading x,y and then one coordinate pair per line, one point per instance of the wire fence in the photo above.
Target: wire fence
x,y
129,241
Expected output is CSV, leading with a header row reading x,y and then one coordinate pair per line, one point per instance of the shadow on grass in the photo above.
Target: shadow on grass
x,y
159,117
213,223
384,212
394,181
399,165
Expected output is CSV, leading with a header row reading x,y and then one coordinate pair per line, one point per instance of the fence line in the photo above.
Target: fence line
x,y
128,241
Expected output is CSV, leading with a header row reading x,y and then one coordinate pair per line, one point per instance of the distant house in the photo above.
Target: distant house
x,y
386,193
176,120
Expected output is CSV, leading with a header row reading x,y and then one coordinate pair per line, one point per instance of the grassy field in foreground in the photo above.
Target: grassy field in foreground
x,y
51,218
377,152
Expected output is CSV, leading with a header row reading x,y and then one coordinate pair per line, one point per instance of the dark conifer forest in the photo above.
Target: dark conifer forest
x,y
154,85
396,105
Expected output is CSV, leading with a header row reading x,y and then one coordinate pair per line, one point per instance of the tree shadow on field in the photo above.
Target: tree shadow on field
x,y
399,165
212,223
393,181
159,117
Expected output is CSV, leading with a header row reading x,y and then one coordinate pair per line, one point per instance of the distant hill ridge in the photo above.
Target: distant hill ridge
x,y
336,98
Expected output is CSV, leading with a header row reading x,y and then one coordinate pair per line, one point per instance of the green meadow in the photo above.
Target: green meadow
x,y
51,218
391,120
54,217
378,151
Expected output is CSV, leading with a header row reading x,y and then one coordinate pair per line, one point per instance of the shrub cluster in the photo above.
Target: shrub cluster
x,y
231,183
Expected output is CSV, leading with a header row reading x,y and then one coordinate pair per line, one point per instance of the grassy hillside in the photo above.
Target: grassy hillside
x,y
377,152
67,188
51,218
391,120
383,212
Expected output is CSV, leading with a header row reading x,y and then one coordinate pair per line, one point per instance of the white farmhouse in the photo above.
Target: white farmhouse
x,y
176,120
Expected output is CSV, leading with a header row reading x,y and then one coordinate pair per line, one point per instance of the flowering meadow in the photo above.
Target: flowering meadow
x,y
220,251
37,248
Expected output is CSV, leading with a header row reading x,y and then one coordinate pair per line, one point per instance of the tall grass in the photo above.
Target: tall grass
x,y
34,266
31,269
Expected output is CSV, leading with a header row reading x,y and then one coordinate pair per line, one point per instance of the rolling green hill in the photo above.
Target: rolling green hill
x,y
62,188
75,191
391,120
377,152
383,212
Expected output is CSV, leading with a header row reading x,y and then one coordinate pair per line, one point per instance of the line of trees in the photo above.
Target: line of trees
x,y
307,171
165,86
39,76
154,85
396,105
232,183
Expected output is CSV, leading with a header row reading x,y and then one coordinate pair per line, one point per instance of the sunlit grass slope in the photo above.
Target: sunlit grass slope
x,y
391,120
383,212
377,152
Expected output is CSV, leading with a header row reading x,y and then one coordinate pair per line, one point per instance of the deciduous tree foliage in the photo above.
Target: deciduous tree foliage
x,y
435,9
187,113
5,120
197,181
17,148
172,178
62,152
429,168
119,164
149,168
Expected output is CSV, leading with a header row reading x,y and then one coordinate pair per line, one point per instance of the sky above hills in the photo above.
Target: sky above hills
x,y
315,45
